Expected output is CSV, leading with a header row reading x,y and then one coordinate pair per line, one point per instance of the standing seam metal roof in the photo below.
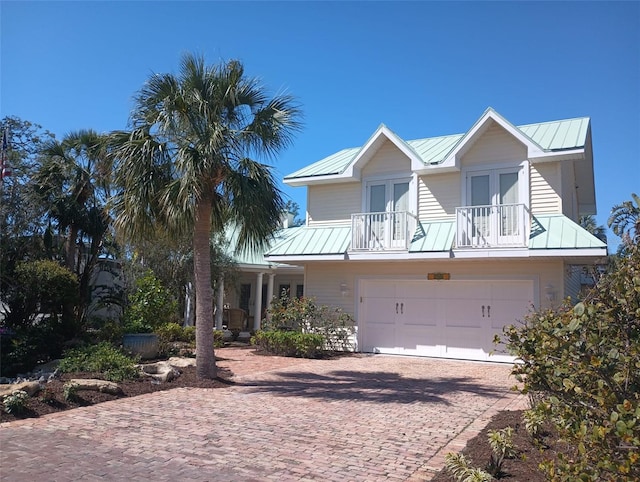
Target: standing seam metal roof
x,y
550,136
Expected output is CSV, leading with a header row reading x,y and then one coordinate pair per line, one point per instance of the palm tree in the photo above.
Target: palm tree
x,y
186,167
625,220
73,181
589,223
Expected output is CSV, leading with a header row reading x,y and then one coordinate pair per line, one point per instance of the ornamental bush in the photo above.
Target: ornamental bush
x,y
585,362
289,343
304,315
150,306
104,359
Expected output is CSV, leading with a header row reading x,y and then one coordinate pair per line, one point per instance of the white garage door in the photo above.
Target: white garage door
x,y
452,319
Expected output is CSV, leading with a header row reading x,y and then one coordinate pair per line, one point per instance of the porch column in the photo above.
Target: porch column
x,y
270,292
219,303
257,307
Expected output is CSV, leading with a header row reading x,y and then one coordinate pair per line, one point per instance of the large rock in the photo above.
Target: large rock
x,y
161,371
97,385
181,362
30,387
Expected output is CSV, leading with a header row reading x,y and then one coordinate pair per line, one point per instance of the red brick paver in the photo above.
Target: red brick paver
x,y
359,418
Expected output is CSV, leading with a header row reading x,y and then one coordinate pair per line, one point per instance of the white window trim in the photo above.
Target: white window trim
x,y
411,178
523,179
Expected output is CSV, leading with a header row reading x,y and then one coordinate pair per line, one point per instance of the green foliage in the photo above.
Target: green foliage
x,y
171,332
150,306
15,402
305,316
289,343
218,338
42,288
38,319
586,359
534,420
460,468
47,395
70,391
501,442
625,220
104,359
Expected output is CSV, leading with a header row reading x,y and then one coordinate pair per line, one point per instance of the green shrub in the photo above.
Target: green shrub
x,y
150,306
586,360
189,333
15,402
461,469
218,340
70,391
289,343
104,359
305,316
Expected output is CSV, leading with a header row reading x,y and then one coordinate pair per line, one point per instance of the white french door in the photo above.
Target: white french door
x,y
388,202
494,196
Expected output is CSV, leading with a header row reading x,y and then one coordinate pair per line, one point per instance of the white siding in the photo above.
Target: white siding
x,y
495,145
323,279
572,283
438,195
333,203
545,188
388,159
568,194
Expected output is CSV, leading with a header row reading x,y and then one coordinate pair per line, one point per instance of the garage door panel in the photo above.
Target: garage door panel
x,y
455,319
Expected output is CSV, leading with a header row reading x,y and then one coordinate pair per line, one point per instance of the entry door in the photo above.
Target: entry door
x,y
390,200
494,194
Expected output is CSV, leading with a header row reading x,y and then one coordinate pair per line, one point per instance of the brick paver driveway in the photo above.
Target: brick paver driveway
x,y
352,418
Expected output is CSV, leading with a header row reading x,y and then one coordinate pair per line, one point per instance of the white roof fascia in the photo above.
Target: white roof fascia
x,y
397,256
453,158
570,252
491,253
321,179
372,145
298,258
568,155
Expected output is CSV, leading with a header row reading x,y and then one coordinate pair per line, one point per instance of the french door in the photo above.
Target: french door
x,y
388,203
494,197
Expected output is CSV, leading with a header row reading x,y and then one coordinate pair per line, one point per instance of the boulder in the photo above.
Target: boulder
x,y
161,371
181,362
30,387
97,385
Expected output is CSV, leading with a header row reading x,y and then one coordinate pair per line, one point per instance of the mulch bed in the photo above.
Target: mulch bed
x,y
54,394
524,467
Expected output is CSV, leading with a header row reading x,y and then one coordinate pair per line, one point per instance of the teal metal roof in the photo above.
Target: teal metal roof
x,y
550,136
433,236
314,240
256,258
555,231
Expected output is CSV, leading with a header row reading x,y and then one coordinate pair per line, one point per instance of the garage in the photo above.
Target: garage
x,y
450,319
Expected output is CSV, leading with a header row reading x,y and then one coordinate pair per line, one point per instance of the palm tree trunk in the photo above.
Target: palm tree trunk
x,y
205,357
70,248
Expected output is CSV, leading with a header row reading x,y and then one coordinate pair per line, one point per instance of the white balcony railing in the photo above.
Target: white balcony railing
x,y
497,226
382,231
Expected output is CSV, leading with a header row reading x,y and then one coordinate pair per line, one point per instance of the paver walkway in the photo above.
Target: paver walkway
x,y
358,418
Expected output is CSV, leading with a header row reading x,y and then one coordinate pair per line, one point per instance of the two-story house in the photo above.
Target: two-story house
x,y
435,244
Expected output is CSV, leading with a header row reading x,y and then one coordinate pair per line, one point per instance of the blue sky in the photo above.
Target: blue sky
x,y
422,68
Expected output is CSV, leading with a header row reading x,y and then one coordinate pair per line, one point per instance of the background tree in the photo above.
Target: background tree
x,y
186,167
625,220
22,220
589,223
73,183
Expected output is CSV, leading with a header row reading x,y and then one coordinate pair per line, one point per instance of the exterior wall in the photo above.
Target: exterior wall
x,y
569,198
232,293
572,282
495,145
388,159
333,203
545,188
439,195
323,280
